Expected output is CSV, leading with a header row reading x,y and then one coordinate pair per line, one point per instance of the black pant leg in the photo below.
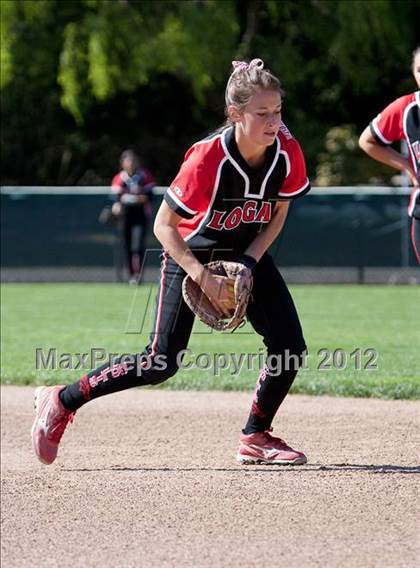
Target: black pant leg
x,y
415,237
127,235
273,315
160,359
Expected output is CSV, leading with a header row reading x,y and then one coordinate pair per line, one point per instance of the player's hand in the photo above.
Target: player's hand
x,y
128,199
220,291
412,177
116,208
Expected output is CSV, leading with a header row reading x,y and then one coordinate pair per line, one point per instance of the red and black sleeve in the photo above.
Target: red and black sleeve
x,y
189,192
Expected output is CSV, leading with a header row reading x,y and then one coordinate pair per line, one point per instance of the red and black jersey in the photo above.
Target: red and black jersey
x,y
127,188
398,121
223,201
140,183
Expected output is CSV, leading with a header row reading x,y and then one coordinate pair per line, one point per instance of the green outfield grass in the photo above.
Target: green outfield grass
x,y
74,318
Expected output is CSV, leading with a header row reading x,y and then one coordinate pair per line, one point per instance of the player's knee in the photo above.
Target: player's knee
x,y
172,369
168,370
291,358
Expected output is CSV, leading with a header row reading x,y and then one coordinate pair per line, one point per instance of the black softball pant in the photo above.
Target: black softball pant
x,y
134,221
271,312
415,237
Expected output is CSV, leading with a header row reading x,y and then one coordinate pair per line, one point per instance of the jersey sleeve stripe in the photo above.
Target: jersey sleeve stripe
x,y
179,202
176,208
377,133
298,192
176,204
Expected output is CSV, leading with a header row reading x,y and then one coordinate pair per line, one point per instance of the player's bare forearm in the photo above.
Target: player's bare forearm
x,y
270,231
384,154
165,229
175,246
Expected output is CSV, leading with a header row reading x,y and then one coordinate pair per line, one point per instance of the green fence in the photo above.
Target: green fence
x,y
330,228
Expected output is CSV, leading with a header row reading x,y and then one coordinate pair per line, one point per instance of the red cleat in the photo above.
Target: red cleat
x,y
262,448
51,419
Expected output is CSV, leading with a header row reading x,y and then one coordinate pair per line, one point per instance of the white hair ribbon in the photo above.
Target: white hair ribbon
x,y
244,66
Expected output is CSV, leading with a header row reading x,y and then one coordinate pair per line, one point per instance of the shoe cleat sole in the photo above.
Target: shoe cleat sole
x,y
259,461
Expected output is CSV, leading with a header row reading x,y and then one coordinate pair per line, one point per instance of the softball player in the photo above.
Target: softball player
x,y
229,201
132,187
398,121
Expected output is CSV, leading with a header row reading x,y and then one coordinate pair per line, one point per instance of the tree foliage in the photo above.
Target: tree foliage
x,y
120,46
82,79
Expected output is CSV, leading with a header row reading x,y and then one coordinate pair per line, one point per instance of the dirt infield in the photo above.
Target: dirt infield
x,y
148,478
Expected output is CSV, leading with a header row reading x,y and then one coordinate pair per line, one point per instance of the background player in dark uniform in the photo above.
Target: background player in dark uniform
x,y
400,121
133,187
229,201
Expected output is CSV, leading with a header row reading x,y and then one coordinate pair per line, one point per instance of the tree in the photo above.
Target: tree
x,y
82,79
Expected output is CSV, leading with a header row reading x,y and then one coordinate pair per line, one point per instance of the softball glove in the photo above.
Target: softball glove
x,y
202,307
